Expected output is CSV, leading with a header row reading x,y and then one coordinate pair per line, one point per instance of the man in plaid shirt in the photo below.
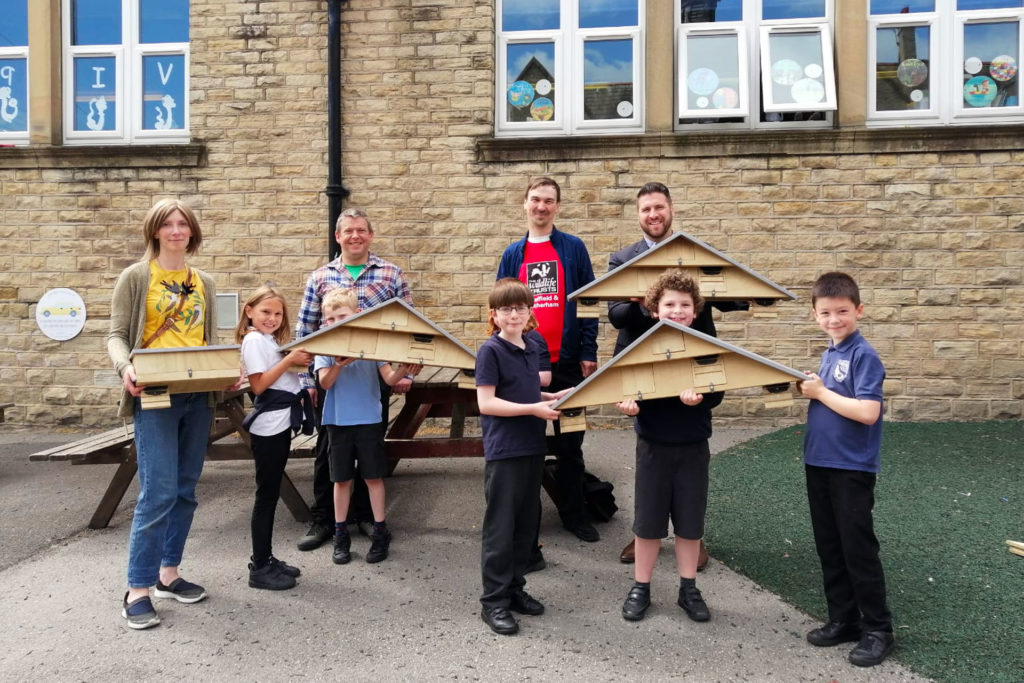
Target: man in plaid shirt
x,y
374,281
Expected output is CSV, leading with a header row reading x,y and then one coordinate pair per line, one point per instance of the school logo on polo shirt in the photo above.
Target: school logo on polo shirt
x,y
841,371
542,277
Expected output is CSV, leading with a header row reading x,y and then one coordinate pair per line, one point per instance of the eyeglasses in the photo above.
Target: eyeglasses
x,y
509,310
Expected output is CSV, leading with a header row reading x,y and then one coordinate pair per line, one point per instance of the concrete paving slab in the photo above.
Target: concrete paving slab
x,y
412,617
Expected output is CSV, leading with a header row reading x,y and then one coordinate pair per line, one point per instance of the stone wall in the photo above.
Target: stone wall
x,y
931,222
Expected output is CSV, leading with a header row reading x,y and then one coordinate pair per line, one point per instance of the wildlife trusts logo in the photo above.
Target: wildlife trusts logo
x,y
542,277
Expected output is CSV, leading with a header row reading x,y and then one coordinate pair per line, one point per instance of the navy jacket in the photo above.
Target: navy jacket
x,y
579,337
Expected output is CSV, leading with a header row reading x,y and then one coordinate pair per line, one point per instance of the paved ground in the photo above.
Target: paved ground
x,y
413,617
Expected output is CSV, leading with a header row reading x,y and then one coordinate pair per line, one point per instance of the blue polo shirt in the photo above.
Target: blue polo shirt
x,y
354,399
514,374
854,370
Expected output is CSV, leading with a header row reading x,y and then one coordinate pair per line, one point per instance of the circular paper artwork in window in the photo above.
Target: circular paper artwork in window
x,y
520,94
787,72
980,91
807,91
813,71
972,65
624,109
916,95
702,81
1003,68
725,98
543,86
542,109
912,72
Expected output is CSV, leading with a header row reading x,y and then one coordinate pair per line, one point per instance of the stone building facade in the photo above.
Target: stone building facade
x,y
929,219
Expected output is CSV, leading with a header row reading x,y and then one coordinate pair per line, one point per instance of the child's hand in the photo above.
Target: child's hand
x,y
559,394
543,410
812,387
342,361
690,397
628,407
299,357
411,369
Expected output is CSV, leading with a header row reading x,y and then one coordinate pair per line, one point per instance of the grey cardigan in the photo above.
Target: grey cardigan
x,y
128,321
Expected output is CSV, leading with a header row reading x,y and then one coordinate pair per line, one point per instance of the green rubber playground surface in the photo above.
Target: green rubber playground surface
x,y
947,499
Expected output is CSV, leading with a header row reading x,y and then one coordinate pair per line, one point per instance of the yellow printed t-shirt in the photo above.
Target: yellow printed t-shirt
x,y
165,287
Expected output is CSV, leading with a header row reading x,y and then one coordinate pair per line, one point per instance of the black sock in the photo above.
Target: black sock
x,y
341,528
683,583
380,526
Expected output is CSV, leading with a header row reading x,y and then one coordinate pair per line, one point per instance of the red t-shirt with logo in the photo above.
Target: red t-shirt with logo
x,y
542,272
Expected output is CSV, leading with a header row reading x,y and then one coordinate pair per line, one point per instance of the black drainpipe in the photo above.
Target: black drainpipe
x,y
335,191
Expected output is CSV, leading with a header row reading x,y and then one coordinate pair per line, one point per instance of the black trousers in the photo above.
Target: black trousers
x,y
841,502
511,515
568,451
359,509
270,455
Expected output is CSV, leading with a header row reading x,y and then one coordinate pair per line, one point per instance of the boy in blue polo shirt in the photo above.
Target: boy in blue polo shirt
x,y
842,458
512,413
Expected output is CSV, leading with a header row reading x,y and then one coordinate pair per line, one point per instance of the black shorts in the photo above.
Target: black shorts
x,y
349,443
671,482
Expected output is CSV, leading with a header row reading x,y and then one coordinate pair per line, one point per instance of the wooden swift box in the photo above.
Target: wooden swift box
x,y
183,370
393,332
719,277
669,358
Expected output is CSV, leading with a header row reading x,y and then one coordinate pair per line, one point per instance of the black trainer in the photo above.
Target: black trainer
x,y
380,542
834,633
637,602
584,531
317,535
693,603
342,547
269,577
873,648
285,568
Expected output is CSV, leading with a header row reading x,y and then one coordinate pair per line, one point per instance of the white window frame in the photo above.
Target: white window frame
x,y
827,65
683,33
945,66
569,47
129,86
20,137
753,27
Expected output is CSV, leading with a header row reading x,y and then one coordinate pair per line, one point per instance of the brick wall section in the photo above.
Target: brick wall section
x,y
936,238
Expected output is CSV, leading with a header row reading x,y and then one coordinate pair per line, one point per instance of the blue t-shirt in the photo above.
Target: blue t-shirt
x,y
514,374
854,370
354,399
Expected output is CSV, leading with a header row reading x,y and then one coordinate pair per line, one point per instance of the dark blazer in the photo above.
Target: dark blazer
x,y
632,320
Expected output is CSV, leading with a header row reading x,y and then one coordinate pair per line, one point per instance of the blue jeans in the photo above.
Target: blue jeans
x,y
171,447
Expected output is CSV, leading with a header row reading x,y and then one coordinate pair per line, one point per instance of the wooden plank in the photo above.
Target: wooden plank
x,y
119,484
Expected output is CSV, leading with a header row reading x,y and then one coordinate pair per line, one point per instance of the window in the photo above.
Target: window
x,y
569,66
949,61
14,72
126,71
754,63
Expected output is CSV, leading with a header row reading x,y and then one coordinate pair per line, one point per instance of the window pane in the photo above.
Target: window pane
x,y
796,72
607,79
163,21
901,6
163,85
991,57
601,13
792,9
14,30
698,11
713,81
13,95
987,4
95,93
529,15
902,68
96,22
531,82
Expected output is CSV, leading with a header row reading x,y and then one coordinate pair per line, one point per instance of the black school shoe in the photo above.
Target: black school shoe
x,y
524,603
637,602
342,549
500,620
693,603
872,649
269,577
380,541
834,633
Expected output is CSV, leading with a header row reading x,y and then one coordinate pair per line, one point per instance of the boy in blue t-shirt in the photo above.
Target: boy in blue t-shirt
x,y
842,458
352,416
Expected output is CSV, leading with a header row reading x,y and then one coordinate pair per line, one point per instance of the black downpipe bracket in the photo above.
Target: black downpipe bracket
x,y
335,191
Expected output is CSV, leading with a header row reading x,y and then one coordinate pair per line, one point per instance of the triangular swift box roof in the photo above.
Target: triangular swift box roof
x,y
393,332
719,277
671,357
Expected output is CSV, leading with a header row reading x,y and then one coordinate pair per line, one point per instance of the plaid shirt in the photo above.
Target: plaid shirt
x,y
380,281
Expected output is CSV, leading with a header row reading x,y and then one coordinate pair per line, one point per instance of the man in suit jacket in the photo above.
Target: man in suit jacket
x,y
630,318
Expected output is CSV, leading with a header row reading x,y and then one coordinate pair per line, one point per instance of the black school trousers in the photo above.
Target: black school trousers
x,y
841,502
